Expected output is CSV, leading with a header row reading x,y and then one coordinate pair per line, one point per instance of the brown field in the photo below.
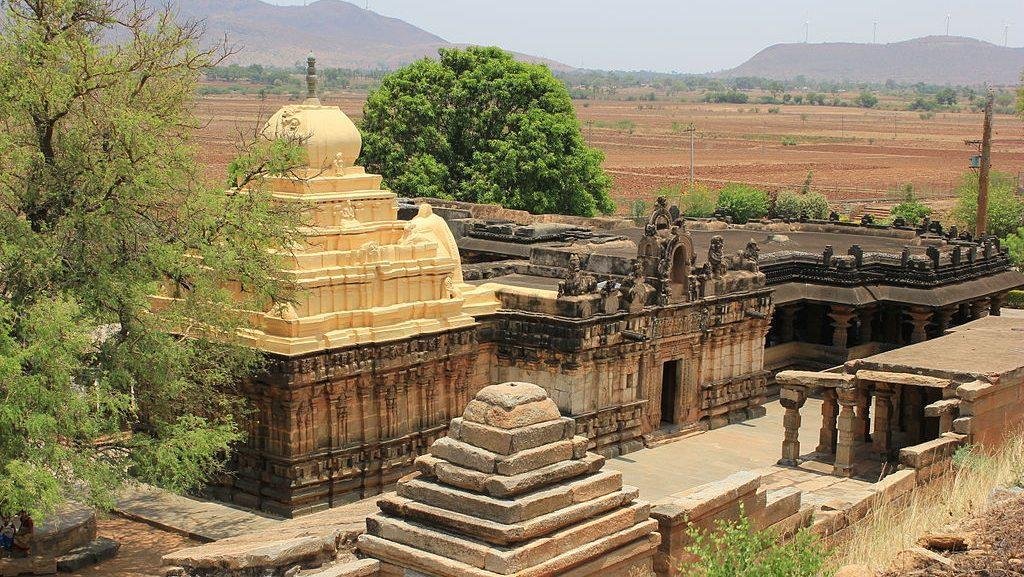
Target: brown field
x,y
856,155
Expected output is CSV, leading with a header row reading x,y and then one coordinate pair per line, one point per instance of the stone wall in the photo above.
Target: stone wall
x,y
338,426
988,411
702,507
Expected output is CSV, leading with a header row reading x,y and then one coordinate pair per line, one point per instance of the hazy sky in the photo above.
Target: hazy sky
x,y
678,35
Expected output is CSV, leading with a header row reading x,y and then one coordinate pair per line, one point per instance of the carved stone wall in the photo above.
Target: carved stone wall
x,y
334,427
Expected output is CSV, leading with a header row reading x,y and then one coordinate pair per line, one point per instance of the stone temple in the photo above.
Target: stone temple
x,y
409,309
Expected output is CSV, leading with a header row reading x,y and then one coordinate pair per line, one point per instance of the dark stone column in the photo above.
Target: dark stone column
x,y
919,319
944,317
867,317
995,308
841,316
785,315
979,309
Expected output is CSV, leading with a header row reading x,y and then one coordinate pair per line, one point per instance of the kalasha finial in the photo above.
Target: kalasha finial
x,y
311,77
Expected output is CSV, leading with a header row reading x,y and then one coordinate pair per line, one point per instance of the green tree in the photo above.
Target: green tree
x,y
479,126
698,202
734,549
1020,97
866,100
743,202
946,97
103,207
1005,208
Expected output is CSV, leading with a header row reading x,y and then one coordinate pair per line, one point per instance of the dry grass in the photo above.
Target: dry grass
x,y
964,492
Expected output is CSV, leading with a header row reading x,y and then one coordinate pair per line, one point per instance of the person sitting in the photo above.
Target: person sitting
x,y
6,534
23,537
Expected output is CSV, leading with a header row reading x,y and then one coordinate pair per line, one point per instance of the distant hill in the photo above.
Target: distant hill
x,y
342,34
950,60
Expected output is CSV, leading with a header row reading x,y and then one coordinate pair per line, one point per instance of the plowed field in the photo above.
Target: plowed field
x,y
855,155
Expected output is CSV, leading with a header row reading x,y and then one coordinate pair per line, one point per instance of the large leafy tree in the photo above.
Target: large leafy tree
x,y
102,207
1005,208
477,125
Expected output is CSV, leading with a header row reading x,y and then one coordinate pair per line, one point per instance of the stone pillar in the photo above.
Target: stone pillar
x,y
892,327
867,315
846,444
786,315
995,308
829,414
862,433
944,317
979,309
883,420
946,422
841,316
812,323
792,399
913,414
919,318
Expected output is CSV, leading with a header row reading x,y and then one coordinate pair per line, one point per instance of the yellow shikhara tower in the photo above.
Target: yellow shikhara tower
x,y
364,276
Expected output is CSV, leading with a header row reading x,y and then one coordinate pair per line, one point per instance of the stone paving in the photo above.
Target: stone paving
x,y
193,518
716,454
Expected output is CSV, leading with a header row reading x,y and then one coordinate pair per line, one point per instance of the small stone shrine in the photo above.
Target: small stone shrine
x,y
512,491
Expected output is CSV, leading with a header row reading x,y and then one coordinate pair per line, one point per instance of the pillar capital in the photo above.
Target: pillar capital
x,y
841,316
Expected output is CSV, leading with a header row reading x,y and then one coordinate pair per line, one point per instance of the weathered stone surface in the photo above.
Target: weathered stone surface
x,y
507,486
518,416
355,568
99,549
511,395
237,555
814,379
508,441
943,542
533,459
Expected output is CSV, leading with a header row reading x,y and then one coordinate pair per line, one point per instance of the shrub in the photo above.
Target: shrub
x,y
1015,300
1005,208
1014,244
734,550
698,202
743,202
638,210
773,110
910,208
792,204
788,141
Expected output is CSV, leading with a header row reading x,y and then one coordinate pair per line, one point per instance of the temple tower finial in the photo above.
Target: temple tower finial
x,y
311,78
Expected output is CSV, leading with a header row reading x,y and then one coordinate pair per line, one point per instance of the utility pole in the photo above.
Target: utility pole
x,y
692,129
986,165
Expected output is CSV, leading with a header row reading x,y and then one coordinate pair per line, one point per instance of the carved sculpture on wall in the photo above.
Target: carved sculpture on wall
x,y
716,257
749,257
660,218
635,290
576,281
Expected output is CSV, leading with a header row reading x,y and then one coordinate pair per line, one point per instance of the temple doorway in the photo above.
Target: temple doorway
x,y
669,391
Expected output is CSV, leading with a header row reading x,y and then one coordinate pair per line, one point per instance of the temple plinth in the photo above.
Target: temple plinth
x,y
512,491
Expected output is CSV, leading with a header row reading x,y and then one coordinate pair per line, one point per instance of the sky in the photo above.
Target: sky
x,y
685,36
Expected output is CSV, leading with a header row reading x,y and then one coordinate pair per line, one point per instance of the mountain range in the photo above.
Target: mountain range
x,y
951,60
341,34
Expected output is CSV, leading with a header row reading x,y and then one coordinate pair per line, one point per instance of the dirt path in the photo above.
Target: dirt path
x,y
142,546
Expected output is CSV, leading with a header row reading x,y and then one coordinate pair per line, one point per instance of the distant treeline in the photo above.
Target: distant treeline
x,y
640,86
256,78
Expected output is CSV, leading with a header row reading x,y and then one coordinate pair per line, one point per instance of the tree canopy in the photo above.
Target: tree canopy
x,y
1005,208
103,207
476,125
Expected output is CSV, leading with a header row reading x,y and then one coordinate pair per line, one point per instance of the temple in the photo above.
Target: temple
x,y
408,309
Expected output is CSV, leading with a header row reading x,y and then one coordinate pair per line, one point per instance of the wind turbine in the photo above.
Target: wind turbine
x,y
948,16
807,30
874,32
1006,34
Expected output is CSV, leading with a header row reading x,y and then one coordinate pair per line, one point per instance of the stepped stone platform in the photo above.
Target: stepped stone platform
x,y
512,491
